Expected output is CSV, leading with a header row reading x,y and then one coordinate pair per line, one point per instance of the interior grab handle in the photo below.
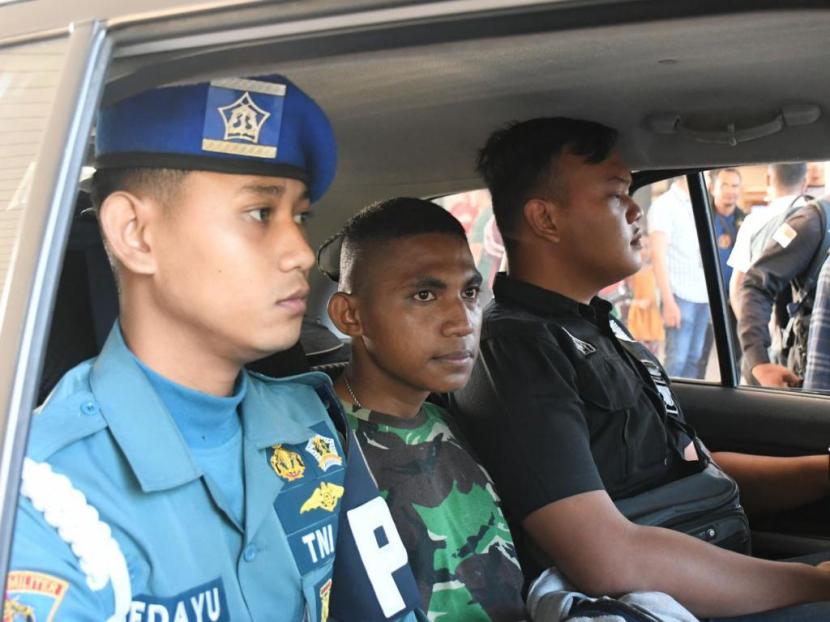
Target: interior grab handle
x,y
789,116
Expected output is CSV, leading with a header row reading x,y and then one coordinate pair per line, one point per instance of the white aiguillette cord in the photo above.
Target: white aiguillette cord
x,y
65,508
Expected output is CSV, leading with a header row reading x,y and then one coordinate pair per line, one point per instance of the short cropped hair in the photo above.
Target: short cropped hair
x,y
162,184
519,161
790,174
383,222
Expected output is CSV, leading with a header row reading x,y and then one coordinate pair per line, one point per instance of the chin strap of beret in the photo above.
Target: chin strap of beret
x,y
65,508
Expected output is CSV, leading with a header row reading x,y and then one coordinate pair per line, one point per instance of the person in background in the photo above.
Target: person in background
x,y
727,219
678,270
644,320
817,376
785,184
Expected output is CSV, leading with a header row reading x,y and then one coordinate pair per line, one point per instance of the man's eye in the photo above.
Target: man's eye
x,y
261,214
472,292
424,295
302,218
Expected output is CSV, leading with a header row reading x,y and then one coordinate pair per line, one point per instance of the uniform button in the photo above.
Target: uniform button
x,y
249,553
90,408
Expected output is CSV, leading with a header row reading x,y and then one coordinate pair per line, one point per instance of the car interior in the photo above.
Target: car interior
x,y
691,86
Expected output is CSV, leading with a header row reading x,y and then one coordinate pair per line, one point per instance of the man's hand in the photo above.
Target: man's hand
x,y
772,375
671,313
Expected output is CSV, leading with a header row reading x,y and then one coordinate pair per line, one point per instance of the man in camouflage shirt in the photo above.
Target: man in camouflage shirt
x,y
408,298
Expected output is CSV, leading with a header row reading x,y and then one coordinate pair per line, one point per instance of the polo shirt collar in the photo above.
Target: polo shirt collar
x,y
546,302
138,420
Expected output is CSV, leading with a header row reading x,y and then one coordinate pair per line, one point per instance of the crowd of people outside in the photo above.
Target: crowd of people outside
x,y
666,304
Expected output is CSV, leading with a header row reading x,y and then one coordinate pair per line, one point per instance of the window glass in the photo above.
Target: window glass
x,y
779,311
475,212
666,304
29,75
771,249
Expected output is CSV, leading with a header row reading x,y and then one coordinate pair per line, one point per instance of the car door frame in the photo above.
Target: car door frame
x,y
31,283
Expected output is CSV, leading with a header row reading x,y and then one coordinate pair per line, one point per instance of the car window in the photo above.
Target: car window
x,y
767,255
636,300
29,75
474,210
666,304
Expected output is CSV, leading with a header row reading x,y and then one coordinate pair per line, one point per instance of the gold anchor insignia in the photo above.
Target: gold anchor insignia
x,y
287,464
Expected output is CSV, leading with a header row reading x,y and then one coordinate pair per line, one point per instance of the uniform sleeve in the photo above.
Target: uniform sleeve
x,y
45,580
773,271
660,217
521,413
817,376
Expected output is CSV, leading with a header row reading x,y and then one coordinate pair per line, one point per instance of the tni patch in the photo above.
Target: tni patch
x,y
32,596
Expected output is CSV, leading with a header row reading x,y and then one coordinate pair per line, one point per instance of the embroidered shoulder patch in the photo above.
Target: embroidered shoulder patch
x,y
324,451
784,235
32,596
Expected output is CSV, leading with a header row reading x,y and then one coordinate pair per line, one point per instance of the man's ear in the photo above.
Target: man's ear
x,y
344,314
124,219
541,217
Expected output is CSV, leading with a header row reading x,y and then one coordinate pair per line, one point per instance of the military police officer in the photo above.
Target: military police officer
x,y
164,482
791,259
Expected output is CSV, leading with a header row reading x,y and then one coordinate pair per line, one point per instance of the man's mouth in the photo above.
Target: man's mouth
x,y
295,302
637,238
457,357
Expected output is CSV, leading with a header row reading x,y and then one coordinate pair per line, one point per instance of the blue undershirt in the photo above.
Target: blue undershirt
x,y
212,430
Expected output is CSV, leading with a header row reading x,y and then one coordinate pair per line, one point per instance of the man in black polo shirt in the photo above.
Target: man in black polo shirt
x,y
566,418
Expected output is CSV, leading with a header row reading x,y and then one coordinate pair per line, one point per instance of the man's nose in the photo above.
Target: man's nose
x,y
459,319
294,251
634,211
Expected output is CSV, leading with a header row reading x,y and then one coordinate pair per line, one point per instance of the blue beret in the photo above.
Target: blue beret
x,y
255,126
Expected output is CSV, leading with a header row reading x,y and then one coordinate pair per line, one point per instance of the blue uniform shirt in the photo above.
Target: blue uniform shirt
x,y
107,431
726,232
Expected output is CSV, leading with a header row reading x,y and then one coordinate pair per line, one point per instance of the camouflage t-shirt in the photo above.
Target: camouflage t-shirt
x,y
447,512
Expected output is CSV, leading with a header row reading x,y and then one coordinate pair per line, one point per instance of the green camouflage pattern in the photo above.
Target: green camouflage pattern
x,y
447,512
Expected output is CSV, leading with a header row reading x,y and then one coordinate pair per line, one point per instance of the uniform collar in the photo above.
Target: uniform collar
x,y
138,420
544,301
273,411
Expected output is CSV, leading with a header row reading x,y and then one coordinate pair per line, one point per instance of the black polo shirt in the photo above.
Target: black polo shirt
x,y
562,401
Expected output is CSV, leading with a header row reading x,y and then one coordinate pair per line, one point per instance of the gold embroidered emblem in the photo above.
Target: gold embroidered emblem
x,y
32,596
243,119
325,593
287,464
324,497
324,451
